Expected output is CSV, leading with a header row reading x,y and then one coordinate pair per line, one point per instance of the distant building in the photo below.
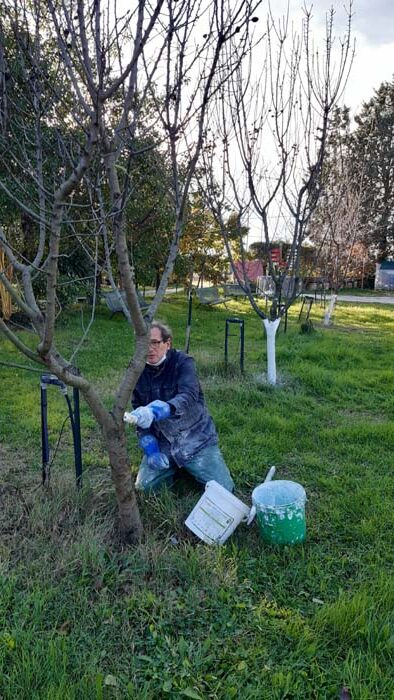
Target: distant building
x,y
384,276
253,269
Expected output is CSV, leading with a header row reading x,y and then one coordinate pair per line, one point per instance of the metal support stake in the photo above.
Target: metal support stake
x,y
241,324
189,320
77,439
74,413
242,348
44,434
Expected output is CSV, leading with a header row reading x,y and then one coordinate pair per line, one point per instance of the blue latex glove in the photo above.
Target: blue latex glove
x,y
156,410
155,459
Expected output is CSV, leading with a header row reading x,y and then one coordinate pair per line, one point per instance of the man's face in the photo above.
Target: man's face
x,y
157,346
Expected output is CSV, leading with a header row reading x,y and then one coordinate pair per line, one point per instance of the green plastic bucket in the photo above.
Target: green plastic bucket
x,y
280,511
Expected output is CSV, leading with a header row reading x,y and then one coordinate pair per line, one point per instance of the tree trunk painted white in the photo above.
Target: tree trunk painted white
x,y
330,310
270,328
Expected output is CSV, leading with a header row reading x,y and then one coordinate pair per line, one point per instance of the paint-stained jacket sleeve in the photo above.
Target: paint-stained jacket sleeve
x,y
188,387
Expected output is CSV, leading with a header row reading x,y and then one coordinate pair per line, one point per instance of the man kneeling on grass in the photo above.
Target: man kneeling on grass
x,y
174,427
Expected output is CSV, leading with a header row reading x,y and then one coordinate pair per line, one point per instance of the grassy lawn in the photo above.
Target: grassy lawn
x,y
81,618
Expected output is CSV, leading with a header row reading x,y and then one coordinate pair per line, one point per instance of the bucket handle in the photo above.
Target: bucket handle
x,y
251,516
270,474
252,512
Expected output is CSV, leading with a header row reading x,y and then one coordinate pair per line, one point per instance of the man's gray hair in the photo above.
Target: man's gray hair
x,y
166,332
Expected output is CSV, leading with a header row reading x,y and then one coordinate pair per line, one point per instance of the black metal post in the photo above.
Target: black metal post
x,y
44,434
74,413
242,348
302,307
285,327
226,342
241,324
77,439
189,320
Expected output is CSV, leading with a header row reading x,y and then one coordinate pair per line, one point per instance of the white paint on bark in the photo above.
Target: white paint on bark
x,y
270,329
330,310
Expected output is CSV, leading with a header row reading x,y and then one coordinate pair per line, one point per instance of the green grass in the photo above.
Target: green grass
x,y
81,618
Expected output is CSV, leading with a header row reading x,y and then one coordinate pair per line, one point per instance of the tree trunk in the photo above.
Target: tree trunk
x,y
330,310
98,283
130,525
270,328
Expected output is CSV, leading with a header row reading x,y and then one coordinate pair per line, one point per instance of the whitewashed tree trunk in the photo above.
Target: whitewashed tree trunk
x,y
270,328
330,310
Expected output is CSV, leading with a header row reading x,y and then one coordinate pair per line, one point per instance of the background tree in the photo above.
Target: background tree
x,y
201,249
336,226
31,112
150,215
372,155
202,253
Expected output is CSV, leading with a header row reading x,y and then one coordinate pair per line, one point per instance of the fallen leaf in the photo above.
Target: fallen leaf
x,y
318,601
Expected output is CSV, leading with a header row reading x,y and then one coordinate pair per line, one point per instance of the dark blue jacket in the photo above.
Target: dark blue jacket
x,y
190,427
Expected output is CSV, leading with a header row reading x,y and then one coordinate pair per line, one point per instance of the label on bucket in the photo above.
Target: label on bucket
x,y
209,522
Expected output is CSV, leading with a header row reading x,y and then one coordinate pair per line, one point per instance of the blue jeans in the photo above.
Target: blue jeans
x,y
207,464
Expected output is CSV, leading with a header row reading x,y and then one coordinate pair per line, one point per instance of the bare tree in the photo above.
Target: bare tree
x,y
337,232
113,79
336,227
264,156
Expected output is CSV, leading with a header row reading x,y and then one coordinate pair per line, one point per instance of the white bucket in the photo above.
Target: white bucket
x,y
217,514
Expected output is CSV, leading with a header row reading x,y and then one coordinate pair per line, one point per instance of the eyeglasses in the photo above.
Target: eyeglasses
x,y
156,343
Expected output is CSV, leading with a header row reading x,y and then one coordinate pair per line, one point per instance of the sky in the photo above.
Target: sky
x,y
373,31
373,63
